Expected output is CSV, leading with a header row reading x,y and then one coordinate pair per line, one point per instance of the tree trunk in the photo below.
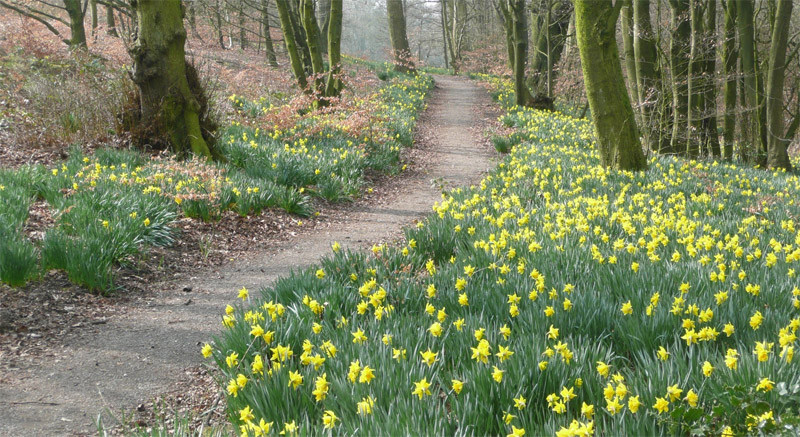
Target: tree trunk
x,y
549,25
628,49
679,63
242,28
168,104
334,85
77,38
93,10
508,25
729,58
777,156
398,36
694,80
309,20
111,24
710,136
444,31
649,83
324,12
269,47
617,136
519,25
218,26
291,45
747,47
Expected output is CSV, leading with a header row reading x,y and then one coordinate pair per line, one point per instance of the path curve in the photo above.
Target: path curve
x,y
138,355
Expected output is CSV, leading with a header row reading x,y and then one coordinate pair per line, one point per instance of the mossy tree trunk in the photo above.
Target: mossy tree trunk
x,y
629,52
520,26
111,23
77,39
269,46
777,143
295,59
617,135
398,36
335,15
710,134
324,18
508,26
168,105
309,20
730,56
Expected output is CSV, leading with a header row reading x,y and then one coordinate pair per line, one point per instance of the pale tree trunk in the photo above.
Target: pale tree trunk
x,y
168,105
694,80
508,26
398,36
615,124
729,62
628,49
777,156
324,12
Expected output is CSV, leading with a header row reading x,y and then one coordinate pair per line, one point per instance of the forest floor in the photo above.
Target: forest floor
x,y
148,348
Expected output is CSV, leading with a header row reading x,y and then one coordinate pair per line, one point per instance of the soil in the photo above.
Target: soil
x,y
114,358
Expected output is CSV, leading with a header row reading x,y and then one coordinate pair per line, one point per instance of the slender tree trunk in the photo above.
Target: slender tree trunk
x,y
777,156
334,85
710,135
398,36
520,25
218,20
679,63
269,47
77,31
242,28
747,47
111,24
291,45
628,49
444,31
309,20
93,11
694,80
617,136
649,82
508,24
167,101
729,58
549,26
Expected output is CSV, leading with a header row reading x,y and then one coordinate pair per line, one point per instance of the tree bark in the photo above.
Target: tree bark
x,y
679,64
269,46
777,154
729,62
309,20
291,45
549,25
628,49
324,12
655,123
77,31
398,36
750,80
617,136
242,28
334,85
710,136
93,10
167,103
520,26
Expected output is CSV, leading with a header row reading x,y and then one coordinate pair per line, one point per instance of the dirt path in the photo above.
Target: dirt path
x,y
136,356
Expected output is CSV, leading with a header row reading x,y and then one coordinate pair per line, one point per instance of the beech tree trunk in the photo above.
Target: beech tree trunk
x,y
777,155
77,31
617,136
398,36
730,55
750,80
549,23
520,32
334,85
111,23
309,20
287,26
269,47
168,105
628,50
679,64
